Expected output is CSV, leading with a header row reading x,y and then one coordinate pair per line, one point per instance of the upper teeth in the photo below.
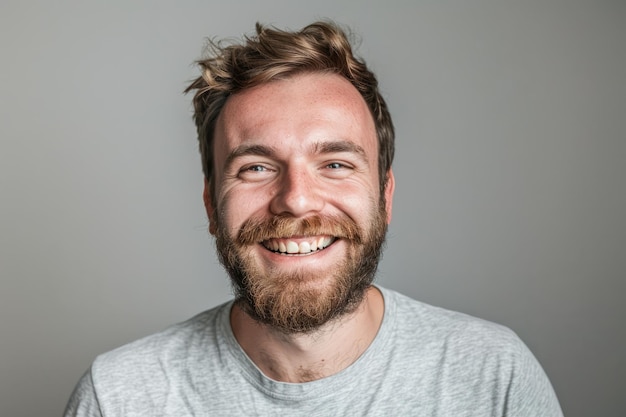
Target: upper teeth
x,y
290,246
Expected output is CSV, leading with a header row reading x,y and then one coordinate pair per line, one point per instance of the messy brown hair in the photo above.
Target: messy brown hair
x,y
273,54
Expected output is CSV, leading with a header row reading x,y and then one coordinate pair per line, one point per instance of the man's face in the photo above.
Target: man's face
x,y
298,216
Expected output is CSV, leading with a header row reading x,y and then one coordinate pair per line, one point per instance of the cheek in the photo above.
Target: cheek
x,y
237,207
359,206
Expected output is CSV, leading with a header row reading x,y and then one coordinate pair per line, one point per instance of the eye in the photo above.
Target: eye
x,y
337,170
335,165
254,172
255,168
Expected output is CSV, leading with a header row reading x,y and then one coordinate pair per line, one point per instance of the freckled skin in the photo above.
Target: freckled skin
x,y
300,147
291,117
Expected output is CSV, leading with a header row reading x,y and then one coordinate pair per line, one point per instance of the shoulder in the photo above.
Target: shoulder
x,y
461,344
185,335
470,357
156,359
157,371
435,323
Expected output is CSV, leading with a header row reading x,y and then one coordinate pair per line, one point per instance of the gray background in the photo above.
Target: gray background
x,y
511,176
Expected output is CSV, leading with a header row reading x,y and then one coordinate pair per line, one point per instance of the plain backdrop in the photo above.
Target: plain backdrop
x,y
510,169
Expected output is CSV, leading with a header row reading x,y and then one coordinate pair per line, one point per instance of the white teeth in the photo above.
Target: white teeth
x,y
292,247
305,247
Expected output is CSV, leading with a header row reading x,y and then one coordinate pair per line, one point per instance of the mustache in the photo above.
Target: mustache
x,y
257,230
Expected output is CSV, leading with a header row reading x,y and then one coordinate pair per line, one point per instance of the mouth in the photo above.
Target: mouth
x,y
298,246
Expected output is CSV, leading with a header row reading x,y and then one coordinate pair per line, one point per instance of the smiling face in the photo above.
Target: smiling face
x,y
298,215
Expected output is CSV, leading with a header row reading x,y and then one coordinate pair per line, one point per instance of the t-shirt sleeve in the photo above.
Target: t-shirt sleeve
x,y
531,393
84,401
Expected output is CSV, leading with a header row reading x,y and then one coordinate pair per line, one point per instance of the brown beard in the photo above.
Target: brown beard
x,y
283,300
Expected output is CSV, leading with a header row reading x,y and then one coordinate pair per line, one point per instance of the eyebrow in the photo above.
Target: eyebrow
x,y
243,150
319,148
339,146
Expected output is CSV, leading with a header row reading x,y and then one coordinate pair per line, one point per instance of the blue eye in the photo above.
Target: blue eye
x,y
256,168
334,165
256,173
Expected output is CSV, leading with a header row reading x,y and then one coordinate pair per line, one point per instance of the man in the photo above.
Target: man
x,y
297,144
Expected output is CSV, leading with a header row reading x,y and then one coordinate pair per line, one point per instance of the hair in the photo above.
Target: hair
x,y
273,54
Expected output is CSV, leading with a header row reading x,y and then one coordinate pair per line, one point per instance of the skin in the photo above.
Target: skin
x,y
300,146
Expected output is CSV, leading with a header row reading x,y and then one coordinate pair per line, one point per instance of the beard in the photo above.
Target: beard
x,y
285,300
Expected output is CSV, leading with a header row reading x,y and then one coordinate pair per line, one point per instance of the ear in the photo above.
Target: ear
x,y
389,189
208,205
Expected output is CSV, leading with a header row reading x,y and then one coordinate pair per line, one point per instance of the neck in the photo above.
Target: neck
x,y
307,357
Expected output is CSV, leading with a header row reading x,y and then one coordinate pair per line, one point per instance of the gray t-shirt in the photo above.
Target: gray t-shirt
x,y
424,361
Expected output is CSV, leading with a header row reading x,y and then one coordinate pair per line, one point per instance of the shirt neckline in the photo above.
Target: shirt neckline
x,y
289,391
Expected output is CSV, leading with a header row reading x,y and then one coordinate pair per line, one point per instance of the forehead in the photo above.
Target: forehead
x,y
296,110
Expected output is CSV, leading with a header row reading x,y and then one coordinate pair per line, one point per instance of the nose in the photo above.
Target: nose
x,y
297,194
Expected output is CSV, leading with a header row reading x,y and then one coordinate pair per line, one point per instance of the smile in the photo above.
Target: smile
x,y
300,246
